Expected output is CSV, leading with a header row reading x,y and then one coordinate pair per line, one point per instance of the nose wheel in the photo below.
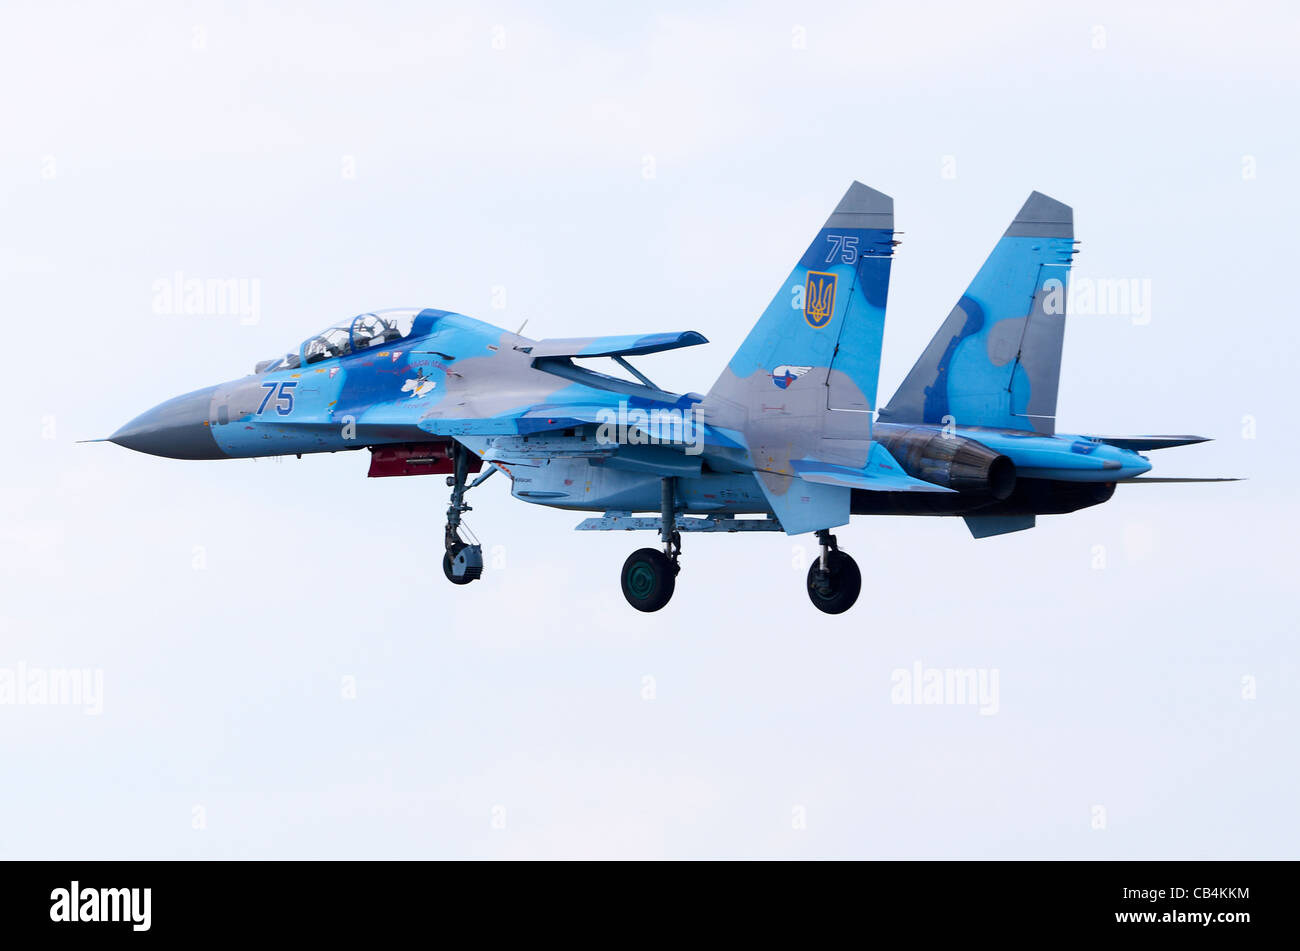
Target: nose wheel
x,y
834,581
464,565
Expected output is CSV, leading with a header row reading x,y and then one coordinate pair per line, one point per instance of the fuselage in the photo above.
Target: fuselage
x,y
439,376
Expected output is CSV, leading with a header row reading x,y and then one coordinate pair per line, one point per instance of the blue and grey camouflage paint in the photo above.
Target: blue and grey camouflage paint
x,y
785,432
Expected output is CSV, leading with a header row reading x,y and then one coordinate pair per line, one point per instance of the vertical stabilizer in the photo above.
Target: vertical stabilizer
x,y
803,384
996,361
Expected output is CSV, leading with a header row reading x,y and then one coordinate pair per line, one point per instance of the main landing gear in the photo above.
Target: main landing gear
x,y
463,560
650,575
834,581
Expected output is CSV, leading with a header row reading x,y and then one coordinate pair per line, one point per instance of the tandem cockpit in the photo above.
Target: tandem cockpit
x,y
362,332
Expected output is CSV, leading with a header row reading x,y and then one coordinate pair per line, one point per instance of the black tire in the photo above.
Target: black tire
x,y
649,579
837,590
446,570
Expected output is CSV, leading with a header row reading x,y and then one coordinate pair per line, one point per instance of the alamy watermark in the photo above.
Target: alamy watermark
x,y
666,426
53,686
919,685
1100,297
181,295
78,903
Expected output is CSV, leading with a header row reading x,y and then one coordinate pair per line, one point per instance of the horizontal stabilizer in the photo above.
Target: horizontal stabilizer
x,y
1155,479
986,526
1145,443
881,474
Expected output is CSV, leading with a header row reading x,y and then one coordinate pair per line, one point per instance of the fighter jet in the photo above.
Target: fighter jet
x,y
787,440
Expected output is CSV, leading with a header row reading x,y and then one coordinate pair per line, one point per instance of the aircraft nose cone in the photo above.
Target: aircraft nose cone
x,y
176,429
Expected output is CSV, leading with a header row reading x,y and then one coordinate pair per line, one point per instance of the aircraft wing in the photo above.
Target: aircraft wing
x,y
626,345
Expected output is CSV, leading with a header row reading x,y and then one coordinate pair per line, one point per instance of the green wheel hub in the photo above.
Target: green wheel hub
x,y
649,577
641,579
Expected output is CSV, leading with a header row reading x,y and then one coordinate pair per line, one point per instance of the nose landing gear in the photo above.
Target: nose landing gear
x,y
463,560
834,580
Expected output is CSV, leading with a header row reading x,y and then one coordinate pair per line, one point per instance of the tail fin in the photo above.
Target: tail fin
x,y
803,384
996,361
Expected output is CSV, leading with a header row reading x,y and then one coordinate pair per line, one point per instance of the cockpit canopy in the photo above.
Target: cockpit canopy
x,y
362,332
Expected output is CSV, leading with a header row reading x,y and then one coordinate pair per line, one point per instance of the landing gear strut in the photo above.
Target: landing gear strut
x,y
650,575
834,580
463,561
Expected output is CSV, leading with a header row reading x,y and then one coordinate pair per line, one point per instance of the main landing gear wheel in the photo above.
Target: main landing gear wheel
x,y
835,587
649,579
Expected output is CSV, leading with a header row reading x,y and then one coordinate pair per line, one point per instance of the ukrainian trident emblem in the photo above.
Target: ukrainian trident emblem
x,y
819,299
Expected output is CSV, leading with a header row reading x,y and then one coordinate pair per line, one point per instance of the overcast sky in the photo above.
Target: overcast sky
x,y
286,673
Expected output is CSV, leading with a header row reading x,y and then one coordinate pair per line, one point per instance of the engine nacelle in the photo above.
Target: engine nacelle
x,y
952,461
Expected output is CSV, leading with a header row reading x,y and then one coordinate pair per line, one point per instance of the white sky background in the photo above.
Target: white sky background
x,y
148,139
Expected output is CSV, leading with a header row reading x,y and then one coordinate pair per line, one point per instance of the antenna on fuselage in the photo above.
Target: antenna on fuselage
x,y
520,331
